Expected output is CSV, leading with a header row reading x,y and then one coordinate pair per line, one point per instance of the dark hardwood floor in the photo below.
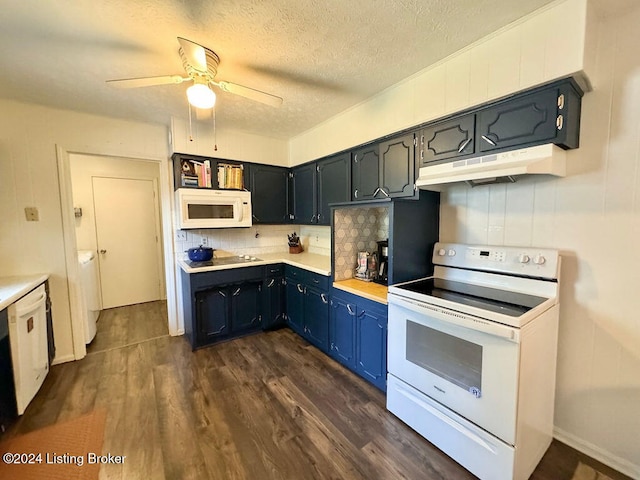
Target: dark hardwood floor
x,y
267,406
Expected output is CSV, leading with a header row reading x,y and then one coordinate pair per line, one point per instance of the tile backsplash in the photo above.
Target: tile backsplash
x,y
254,240
356,230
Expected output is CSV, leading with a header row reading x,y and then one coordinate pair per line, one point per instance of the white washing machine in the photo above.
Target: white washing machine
x,y
89,285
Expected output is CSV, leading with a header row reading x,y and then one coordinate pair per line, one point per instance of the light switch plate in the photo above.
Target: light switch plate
x,y
31,213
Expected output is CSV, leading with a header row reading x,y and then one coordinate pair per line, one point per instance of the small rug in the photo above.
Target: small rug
x,y
69,450
585,472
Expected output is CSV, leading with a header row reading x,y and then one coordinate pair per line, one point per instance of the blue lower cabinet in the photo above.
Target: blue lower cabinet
x,y
371,345
295,305
246,306
342,331
316,317
358,336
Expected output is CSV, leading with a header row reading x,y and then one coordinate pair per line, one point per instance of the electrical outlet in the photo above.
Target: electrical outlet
x,y
204,241
181,236
31,213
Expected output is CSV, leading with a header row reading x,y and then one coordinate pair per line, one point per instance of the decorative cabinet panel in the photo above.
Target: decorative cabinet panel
x,y
308,305
550,114
303,186
518,122
246,306
212,314
342,331
358,336
221,304
450,139
397,167
371,345
269,193
365,171
385,170
334,185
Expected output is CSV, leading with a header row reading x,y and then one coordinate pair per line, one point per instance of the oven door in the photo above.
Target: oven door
x,y
468,364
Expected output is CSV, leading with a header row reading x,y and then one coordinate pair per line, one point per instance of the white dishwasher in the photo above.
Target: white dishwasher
x,y
29,347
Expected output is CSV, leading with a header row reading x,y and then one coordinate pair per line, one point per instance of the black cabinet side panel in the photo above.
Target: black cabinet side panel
x,y
414,230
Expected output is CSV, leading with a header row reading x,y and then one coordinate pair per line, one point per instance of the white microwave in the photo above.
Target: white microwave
x,y
213,208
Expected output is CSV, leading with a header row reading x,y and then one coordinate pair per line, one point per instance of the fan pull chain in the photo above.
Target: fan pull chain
x,y
215,138
190,128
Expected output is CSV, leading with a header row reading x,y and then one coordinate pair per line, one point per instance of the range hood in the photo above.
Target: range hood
x,y
496,167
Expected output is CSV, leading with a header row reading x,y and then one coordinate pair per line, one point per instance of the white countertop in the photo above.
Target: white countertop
x,y
313,262
15,287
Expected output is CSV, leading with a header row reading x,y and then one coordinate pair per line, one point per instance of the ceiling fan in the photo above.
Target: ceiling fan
x,y
201,66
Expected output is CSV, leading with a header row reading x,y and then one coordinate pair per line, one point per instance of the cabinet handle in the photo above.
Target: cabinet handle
x,y
300,288
560,122
255,218
561,101
324,298
488,140
313,218
235,294
385,193
273,280
355,194
376,192
464,145
350,310
422,139
222,293
333,346
317,218
421,154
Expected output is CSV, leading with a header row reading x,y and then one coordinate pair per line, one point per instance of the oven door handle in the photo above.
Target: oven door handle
x,y
459,319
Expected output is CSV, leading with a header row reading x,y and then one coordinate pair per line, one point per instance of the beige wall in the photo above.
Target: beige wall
x,y
29,177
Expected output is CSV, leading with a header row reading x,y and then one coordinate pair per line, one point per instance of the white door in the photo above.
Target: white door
x,y
128,248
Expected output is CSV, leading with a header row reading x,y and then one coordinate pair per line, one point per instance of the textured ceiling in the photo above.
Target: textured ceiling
x,y
320,56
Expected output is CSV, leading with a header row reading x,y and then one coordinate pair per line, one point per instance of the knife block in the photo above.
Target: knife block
x,y
295,249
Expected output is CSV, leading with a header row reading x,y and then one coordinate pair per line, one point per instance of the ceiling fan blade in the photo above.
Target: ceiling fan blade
x,y
196,54
147,81
250,93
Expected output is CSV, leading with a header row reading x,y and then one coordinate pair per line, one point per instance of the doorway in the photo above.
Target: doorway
x,y
128,247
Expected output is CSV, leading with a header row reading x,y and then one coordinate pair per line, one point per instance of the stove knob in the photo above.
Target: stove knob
x,y
523,258
247,257
451,253
442,252
539,259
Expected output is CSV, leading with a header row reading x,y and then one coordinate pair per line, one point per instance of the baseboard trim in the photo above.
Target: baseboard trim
x,y
600,454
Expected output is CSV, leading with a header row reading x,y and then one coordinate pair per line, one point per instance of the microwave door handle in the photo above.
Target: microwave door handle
x,y
238,207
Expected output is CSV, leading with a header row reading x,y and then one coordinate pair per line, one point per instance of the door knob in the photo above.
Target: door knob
x,y
103,251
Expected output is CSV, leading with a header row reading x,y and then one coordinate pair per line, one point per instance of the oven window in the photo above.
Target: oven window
x,y
449,357
200,211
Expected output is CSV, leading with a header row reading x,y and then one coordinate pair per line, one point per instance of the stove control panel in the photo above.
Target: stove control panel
x,y
526,261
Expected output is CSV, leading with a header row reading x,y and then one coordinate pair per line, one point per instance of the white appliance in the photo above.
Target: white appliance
x,y
205,208
89,286
472,356
29,347
542,159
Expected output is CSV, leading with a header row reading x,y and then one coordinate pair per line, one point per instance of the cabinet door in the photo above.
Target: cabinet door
x,y
342,332
304,194
273,295
365,170
212,315
397,169
371,346
269,193
450,139
316,317
245,306
519,122
334,185
295,305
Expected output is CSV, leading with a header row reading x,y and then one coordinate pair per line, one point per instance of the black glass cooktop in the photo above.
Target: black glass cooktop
x,y
214,262
495,300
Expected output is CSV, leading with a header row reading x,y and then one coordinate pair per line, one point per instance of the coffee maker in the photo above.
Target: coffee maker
x,y
383,262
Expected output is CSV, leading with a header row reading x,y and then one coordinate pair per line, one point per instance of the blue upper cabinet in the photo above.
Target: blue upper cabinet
x,y
269,193
304,194
447,140
365,172
334,185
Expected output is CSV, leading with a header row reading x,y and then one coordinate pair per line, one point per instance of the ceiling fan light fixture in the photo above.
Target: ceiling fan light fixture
x,y
201,96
